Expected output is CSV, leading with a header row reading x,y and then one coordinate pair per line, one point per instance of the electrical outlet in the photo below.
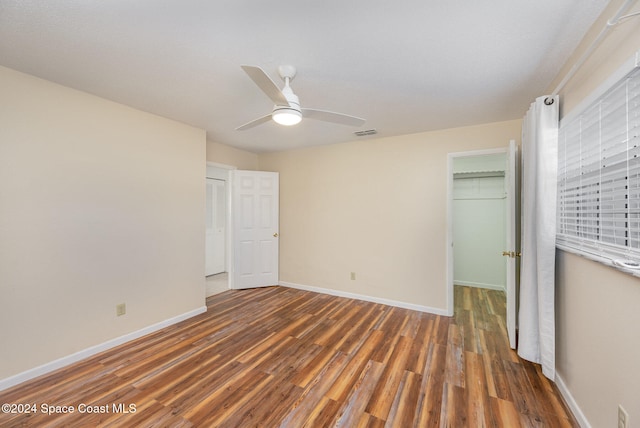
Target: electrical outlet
x,y
623,417
121,309
353,276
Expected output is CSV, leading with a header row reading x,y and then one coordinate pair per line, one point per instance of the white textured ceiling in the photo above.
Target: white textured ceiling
x,y
406,66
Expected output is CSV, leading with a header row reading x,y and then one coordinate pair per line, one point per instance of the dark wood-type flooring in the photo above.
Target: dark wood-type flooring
x,y
279,357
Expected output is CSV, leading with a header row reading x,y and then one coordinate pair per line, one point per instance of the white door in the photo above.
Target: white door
x,y
215,241
255,200
512,252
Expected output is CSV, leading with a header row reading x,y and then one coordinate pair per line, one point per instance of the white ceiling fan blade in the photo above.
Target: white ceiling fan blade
x,y
331,116
254,122
265,83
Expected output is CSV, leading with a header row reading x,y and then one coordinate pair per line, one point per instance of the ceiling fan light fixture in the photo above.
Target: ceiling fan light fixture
x,y
286,116
286,110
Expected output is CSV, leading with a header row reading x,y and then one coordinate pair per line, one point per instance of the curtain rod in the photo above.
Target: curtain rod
x,y
592,47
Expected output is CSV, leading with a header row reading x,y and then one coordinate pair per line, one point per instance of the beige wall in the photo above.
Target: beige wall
x,y
228,155
598,315
598,308
376,207
99,204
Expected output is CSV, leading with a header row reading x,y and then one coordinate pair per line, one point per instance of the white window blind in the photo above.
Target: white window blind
x,y
599,175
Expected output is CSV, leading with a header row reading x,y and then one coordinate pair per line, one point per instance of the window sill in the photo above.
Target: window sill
x,y
599,259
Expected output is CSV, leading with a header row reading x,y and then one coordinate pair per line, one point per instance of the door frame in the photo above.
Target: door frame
x,y
232,203
229,241
449,241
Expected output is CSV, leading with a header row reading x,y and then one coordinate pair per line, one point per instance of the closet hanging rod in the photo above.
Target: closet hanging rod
x,y
615,19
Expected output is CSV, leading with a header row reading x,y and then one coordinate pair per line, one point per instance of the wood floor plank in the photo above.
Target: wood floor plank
x,y
504,413
454,409
314,393
455,357
334,336
478,410
192,367
354,406
431,390
322,415
404,407
418,354
283,357
221,406
368,421
390,325
192,390
521,390
342,387
313,367
354,337
441,331
386,389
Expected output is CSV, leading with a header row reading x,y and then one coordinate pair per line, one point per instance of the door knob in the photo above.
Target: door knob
x,y
275,235
506,253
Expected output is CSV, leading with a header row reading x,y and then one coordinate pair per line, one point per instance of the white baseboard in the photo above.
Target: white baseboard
x,y
80,355
571,402
372,299
479,285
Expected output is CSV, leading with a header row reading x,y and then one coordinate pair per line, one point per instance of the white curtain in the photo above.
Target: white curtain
x,y
536,338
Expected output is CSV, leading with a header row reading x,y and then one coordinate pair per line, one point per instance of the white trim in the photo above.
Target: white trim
x,y
627,67
598,259
221,165
88,352
372,299
483,152
480,285
449,241
571,402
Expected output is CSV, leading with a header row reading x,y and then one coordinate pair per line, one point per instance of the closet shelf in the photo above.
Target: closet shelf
x,y
478,174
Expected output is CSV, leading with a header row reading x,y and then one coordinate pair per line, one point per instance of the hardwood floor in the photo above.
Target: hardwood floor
x,y
279,357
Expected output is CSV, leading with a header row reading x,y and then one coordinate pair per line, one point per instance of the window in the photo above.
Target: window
x,y
599,175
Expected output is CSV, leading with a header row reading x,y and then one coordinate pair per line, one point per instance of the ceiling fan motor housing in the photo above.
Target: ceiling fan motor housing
x,y
287,114
294,101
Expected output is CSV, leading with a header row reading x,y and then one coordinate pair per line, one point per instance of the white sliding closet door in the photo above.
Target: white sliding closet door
x,y
215,238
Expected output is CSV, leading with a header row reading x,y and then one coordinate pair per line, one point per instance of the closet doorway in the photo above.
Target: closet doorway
x,y
482,218
216,229
479,221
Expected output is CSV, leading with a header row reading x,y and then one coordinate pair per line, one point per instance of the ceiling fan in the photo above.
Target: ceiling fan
x,y
287,110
